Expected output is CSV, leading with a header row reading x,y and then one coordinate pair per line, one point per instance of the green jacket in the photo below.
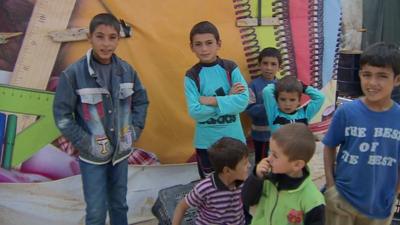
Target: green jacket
x,y
286,207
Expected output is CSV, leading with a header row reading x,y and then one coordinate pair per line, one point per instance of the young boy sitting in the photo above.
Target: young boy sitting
x,y
281,183
218,197
362,179
282,102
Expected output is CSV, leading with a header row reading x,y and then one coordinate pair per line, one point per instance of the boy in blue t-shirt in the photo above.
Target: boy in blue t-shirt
x,y
269,60
216,93
362,186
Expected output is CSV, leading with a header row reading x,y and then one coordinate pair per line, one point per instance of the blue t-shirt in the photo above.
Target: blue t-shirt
x,y
260,130
367,168
213,123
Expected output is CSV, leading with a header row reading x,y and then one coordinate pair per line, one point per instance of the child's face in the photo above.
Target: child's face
x,y
279,162
377,83
269,67
205,46
288,102
104,41
241,170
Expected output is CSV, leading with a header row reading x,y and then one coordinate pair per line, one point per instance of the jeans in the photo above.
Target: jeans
x,y
105,188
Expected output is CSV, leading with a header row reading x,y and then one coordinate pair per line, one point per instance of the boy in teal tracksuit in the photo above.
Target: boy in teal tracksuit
x,y
216,93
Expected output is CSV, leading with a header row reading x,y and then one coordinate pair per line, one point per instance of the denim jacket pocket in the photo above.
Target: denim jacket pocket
x,y
127,132
101,147
92,106
91,99
126,90
126,138
125,100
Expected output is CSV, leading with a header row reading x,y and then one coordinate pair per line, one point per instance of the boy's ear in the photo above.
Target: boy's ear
x,y
226,169
191,46
89,37
299,165
219,43
397,80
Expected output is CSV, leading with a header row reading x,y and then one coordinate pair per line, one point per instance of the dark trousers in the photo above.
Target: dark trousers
x,y
261,149
203,163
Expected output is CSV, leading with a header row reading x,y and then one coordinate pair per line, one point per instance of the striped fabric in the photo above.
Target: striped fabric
x,y
215,203
142,157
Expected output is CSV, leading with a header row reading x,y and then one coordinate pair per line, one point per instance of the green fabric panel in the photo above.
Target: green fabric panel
x,y
381,19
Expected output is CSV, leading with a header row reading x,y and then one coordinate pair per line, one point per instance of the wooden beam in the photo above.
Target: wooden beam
x,y
79,34
252,22
38,52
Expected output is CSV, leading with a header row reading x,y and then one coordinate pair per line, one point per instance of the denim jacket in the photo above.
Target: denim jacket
x,y
100,124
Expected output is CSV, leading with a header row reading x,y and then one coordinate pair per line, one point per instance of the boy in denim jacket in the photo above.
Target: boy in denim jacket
x,y
101,106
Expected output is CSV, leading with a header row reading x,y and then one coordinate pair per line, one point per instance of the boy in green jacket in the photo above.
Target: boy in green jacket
x,y
281,184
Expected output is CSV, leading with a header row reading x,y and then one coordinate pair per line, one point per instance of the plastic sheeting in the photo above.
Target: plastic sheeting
x,y
381,19
61,202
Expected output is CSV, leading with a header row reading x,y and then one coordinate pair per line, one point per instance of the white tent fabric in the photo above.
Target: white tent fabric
x,y
61,202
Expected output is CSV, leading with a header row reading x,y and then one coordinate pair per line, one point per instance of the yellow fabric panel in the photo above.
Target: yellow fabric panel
x,y
159,51
265,34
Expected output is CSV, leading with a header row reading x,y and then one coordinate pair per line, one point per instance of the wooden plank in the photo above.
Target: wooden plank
x,y
252,22
38,52
78,34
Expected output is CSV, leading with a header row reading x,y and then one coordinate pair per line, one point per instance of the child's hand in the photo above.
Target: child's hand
x,y
304,86
263,168
252,97
237,88
206,100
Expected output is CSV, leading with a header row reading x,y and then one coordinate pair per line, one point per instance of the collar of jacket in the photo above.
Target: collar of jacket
x,y
283,182
117,70
220,185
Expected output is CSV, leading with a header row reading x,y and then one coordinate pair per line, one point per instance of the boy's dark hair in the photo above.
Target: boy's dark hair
x,y
296,141
204,27
270,52
288,83
104,19
228,152
381,55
